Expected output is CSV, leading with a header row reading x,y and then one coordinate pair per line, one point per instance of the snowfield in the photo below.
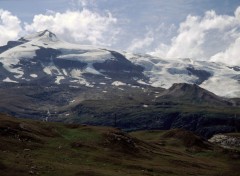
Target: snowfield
x,y
164,73
23,62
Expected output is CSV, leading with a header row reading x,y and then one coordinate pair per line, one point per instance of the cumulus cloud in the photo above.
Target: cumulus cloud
x,y
138,43
211,37
79,26
192,34
153,38
230,56
84,26
215,37
10,27
160,51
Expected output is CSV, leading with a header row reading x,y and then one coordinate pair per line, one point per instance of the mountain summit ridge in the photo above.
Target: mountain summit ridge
x,y
42,56
192,93
45,34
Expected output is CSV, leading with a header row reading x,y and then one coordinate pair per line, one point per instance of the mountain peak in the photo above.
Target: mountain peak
x,y
45,35
183,89
194,94
184,86
46,32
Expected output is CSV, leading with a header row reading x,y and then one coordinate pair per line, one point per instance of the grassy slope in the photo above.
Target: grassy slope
x,y
40,148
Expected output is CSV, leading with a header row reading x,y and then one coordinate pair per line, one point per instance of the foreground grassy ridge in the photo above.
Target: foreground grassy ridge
x,y
40,148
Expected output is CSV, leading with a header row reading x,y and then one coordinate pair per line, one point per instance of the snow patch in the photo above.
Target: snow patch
x,y
33,75
14,55
50,70
47,70
58,79
18,76
86,56
9,80
76,73
72,101
118,83
65,72
108,78
91,70
142,82
74,86
145,106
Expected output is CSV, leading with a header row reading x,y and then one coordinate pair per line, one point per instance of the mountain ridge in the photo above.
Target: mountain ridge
x,y
65,63
52,80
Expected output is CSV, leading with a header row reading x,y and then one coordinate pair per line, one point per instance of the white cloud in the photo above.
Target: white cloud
x,y
84,26
188,41
214,37
230,56
153,38
160,51
10,27
192,34
211,37
138,44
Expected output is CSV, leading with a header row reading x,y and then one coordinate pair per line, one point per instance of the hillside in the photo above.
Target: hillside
x,y
40,148
134,108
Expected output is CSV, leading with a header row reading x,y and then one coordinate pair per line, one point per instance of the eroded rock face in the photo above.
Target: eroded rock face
x,y
226,140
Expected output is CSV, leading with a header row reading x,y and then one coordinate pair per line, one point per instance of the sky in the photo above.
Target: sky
x,y
207,30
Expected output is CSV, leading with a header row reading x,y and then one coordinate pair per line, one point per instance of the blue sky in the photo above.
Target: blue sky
x,y
201,29
170,11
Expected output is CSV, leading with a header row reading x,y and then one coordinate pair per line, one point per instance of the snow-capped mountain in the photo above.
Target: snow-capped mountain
x,y
45,78
42,58
215,77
